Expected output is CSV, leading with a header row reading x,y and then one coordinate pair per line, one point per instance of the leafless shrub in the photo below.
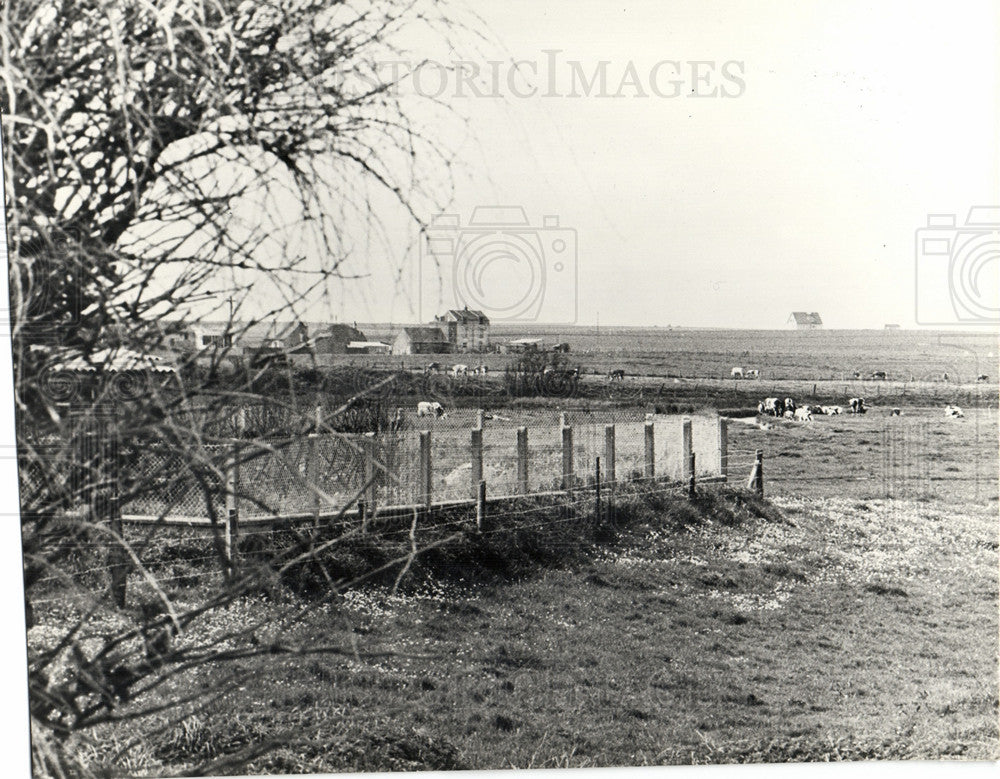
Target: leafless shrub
x,y
162,162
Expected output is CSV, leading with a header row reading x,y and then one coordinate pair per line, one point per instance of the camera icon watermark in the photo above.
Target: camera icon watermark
x,y
958,269
498,263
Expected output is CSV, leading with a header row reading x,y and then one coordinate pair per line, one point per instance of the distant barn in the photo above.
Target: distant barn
x,y
421,340
806,321
336,338
892,327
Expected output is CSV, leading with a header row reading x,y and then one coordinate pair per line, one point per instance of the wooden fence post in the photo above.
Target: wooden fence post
x,y
609,468
756,481
687,447
724,447
476,448
426,482
650,454
609,453
522,460
480,506
480,418
231,533
691,478
118,560
567,458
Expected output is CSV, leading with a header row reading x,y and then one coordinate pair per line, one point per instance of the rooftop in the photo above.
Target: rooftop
x,y
804,318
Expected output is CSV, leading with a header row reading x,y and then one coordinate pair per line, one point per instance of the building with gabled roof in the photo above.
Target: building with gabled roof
x,y
806,321
467,330
423,339
286,336
336,338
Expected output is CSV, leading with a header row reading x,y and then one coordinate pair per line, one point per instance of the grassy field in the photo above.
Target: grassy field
x,y
843,630
806,355
854,618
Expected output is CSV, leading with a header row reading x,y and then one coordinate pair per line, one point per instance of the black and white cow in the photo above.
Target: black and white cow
x,y
773,407
430,408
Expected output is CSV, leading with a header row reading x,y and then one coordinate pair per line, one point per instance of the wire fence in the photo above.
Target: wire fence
x,y
437,460
182,556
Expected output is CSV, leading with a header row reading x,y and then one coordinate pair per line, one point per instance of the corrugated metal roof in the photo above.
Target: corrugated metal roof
x,y
116,360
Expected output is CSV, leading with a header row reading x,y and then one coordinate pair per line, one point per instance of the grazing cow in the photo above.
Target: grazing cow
x,y
460,370
773,407
944,377
434,366
953,411
895,412
482,370
789,414
790,405
857,374
736,373
856,406
618,374
831,410
878,375
803,414
753,373
815,409
982,377
429,408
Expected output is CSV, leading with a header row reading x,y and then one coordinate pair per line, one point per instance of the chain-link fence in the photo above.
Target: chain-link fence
x,y
434,460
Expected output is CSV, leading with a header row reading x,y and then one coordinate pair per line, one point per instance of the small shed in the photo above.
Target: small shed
x,y
368,347
114,373
336,339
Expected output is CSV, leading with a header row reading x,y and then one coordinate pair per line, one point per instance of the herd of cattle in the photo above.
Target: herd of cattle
x,y
788,408
775,407
457,370
618,374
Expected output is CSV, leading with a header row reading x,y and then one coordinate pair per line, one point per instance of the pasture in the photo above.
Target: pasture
x,y
852,616
855,619
801,355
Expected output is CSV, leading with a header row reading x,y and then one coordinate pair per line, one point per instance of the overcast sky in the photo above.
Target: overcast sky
x,y
845,125
740,161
